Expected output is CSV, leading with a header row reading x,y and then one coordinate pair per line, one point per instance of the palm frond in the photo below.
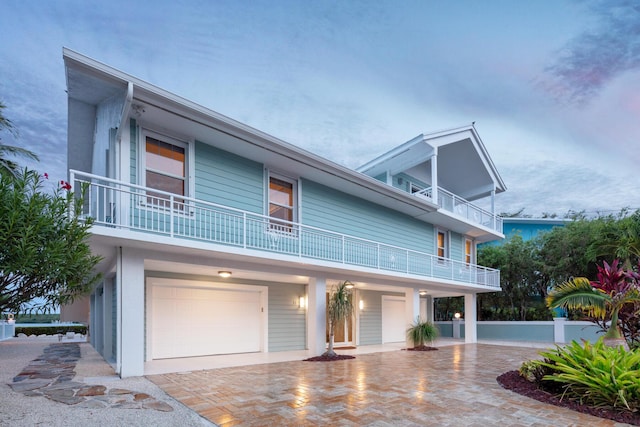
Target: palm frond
x,y
579,294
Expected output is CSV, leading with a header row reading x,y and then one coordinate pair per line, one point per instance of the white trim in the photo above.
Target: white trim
x,y
295,196
189,151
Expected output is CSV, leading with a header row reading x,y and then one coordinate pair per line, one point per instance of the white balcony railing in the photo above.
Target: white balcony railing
x,y
117,204
457,205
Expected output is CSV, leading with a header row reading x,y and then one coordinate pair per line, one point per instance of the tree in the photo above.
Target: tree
x,y
7,166
520,277
602,299
617,237
43,250
339,309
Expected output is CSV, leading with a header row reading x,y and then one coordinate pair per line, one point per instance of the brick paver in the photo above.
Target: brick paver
x,y
454,386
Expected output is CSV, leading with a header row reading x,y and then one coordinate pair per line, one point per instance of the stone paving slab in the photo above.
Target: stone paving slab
x,y
50,375
454,386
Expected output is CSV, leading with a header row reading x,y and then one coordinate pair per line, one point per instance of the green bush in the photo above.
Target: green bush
x,y
422,332
51,330
596,374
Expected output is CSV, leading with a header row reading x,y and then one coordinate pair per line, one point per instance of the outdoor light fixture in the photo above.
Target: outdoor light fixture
x,y
457,316
224,274
349,285
361,305
303,302
10,319
422,293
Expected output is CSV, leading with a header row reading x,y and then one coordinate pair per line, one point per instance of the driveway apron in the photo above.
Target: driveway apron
x,y
453,386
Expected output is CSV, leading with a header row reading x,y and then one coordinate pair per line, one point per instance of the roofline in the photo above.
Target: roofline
x,y
520,220
425,137
258,137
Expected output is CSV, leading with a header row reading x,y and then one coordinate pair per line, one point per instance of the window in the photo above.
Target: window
x,y
468,251
165,169
441,242
282,206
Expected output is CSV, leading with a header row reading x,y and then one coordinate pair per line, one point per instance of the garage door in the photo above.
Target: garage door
x,y
394,326
195,321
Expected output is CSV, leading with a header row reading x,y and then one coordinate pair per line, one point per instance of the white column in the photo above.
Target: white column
x,y
131,304
317,315
470,319
412,309
493,207
558,329
434,176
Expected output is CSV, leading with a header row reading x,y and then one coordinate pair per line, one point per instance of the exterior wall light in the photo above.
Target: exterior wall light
x,y
10,319
457,316
224,274
361,305
422,293
302,303
349,285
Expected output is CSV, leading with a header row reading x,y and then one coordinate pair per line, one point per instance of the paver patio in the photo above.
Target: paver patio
x,y
454,386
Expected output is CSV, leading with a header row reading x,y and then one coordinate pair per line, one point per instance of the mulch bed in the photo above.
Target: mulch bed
x,y
324,358
421,348
513,381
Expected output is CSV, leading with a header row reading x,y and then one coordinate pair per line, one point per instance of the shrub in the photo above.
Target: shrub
x,y
596,374
51,330
422,332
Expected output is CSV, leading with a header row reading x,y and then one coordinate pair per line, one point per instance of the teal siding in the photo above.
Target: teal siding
x,y
333,210
227,179
456,252
382,177
287,321
371,318
133,144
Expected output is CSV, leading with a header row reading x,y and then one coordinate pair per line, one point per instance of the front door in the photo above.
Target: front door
x,y
342,332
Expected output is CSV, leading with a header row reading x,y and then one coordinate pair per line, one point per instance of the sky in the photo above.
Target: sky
x,y
553,86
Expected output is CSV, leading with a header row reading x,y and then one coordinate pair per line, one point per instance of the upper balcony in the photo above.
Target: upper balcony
x,y
116,204
459,206
451,169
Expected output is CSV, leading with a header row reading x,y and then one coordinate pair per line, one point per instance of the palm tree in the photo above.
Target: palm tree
x,y
339,308
9,167
600,299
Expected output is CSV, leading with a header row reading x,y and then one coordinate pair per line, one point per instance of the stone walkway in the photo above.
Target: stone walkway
x,y
454,386
51,375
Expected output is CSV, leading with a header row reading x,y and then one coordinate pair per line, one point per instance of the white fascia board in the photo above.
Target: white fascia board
x,y
191,111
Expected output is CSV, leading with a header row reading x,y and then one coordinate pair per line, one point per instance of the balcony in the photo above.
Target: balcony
x,y
459,206
121,205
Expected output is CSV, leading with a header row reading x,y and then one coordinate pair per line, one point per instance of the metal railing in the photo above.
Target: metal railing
x,y
117,204
457,205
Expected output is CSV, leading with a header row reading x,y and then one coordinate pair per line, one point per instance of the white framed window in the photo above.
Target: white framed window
x,y
469,251
282,205
442,245
165,165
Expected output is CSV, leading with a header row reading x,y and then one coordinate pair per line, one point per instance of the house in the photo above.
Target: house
x,y
217,238
527,228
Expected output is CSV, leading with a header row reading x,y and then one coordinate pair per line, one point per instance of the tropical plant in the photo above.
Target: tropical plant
x,y
596,374
601,299
7,166
44,253
422,332
339,309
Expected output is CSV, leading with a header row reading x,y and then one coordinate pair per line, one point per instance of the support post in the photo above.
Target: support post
x,y
470,319
317,315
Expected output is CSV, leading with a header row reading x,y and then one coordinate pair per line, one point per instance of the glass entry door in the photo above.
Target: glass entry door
x,y
342,332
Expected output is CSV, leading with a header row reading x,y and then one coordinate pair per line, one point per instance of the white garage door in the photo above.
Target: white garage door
x,y
191,321
394,326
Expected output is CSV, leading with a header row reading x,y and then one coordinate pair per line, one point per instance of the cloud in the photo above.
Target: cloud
x,y
588,62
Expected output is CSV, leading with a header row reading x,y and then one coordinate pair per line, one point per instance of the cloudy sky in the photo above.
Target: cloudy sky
x,y
553,86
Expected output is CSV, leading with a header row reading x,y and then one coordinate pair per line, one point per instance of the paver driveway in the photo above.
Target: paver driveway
x,y
454,386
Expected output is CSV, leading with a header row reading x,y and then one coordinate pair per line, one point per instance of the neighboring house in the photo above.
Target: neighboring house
x,y
217,238
527,228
